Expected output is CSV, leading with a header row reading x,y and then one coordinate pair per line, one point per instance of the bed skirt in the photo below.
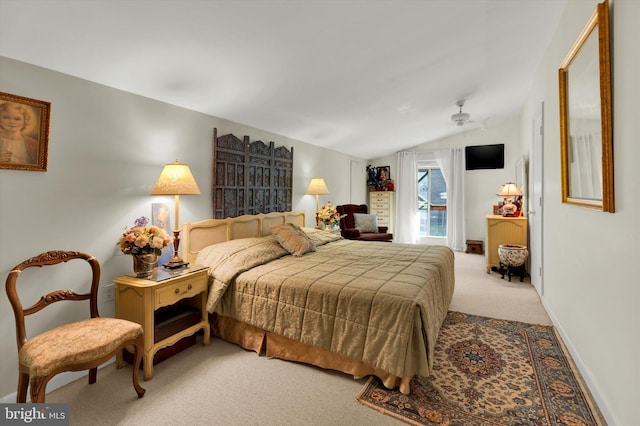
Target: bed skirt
x,y
276,346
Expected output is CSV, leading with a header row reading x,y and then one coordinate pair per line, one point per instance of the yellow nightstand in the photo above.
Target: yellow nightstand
x,y
138,300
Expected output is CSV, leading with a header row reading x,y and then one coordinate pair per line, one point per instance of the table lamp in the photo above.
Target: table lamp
x,y
317,187
176,179
507,191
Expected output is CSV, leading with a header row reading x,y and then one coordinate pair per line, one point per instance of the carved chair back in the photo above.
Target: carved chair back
x,y
44,259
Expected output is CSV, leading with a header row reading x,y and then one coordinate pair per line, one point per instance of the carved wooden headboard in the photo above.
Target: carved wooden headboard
x,y
250,177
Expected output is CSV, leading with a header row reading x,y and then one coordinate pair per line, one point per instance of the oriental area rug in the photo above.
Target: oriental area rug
x,y
491,372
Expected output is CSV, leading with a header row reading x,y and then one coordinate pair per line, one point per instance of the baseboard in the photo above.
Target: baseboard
x,y
56,382
587,377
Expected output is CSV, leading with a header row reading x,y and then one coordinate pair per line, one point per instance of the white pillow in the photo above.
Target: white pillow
x,y
366,222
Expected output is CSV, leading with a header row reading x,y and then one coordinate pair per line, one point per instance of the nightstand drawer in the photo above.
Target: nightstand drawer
x,y
180,290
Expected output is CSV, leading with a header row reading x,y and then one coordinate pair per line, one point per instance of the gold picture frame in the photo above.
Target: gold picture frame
x,y
586,126
24,133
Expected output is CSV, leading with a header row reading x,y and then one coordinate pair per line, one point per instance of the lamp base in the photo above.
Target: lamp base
x,y
175,264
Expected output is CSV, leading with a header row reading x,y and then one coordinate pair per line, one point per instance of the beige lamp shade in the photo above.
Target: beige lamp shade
x,y
317,187
176,179
509,189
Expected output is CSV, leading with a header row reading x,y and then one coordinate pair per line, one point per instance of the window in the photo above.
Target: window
x,y
432,202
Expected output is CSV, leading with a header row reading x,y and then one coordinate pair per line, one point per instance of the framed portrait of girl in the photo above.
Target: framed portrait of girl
x,y
24,133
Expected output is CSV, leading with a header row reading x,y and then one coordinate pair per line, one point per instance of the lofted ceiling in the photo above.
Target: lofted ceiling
x,y
367,78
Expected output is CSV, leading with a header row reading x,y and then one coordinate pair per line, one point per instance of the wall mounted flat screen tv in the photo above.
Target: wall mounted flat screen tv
x,y
484,157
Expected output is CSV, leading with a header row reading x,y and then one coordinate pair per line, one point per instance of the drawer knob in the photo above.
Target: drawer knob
x,y
189,287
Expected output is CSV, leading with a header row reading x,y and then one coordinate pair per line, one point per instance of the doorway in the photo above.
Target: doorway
x,y
536,202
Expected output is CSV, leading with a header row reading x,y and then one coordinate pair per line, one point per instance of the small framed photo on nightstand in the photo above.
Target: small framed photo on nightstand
x,y
161,217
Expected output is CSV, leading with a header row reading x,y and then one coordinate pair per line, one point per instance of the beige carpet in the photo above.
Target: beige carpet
x,y
222,384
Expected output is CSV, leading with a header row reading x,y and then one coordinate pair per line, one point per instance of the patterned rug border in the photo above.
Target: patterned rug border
x,y
590,401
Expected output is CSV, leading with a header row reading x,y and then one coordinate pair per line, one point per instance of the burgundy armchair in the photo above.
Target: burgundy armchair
x,y
348,226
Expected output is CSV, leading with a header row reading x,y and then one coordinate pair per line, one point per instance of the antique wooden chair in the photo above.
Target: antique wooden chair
x,y
76,346
348,227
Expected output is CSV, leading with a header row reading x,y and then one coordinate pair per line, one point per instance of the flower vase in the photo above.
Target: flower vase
x,y
143,265
321,225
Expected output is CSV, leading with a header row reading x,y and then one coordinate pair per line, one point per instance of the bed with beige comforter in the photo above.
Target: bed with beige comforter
x,y
375,305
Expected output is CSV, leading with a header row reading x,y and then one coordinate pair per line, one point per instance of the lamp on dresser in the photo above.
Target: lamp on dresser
x,y
176,179
507,191
317,187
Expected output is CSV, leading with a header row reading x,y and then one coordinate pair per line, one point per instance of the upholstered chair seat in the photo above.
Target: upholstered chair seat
x,y
354,231
79,343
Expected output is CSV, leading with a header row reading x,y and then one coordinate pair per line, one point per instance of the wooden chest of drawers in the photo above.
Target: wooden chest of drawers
x,y
381,203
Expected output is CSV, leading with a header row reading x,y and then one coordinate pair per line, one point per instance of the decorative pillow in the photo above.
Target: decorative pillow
x,y
293,239
366,222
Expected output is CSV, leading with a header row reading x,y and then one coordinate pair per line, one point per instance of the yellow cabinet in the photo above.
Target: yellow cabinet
x,y
503,230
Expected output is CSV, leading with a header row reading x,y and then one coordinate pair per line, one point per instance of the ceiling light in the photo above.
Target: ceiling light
x,y
460,117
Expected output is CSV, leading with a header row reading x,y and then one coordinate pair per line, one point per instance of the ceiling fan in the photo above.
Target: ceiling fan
x,y
460,117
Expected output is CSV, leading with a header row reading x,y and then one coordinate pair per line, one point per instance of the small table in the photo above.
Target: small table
x,y
138,299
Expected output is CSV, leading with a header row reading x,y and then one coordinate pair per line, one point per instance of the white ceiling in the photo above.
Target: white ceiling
x,y
367,78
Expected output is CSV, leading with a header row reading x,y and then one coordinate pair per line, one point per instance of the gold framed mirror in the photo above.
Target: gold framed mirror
x,y
586,127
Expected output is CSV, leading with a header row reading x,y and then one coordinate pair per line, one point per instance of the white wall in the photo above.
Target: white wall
x,y
106,150
481,186
590,259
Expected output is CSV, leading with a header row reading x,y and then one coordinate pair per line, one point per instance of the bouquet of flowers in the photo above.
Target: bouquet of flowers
x,y
143,239
329,216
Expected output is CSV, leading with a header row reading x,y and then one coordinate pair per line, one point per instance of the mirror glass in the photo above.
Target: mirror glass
x,y
586,134
585,124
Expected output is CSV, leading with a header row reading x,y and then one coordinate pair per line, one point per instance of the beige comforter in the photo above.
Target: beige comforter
x,y
379,303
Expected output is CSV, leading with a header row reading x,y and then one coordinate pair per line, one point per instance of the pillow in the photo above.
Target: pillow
x,y
366,222
293,239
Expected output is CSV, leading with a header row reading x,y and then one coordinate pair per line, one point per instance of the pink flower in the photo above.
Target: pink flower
x,y
143,239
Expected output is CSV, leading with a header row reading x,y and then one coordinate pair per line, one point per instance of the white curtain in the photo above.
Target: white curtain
x,y
451,163
406,225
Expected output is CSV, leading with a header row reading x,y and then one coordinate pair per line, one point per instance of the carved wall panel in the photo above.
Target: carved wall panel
x,y
250,177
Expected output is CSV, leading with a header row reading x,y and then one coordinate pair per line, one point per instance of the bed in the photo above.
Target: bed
x,y
363,308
